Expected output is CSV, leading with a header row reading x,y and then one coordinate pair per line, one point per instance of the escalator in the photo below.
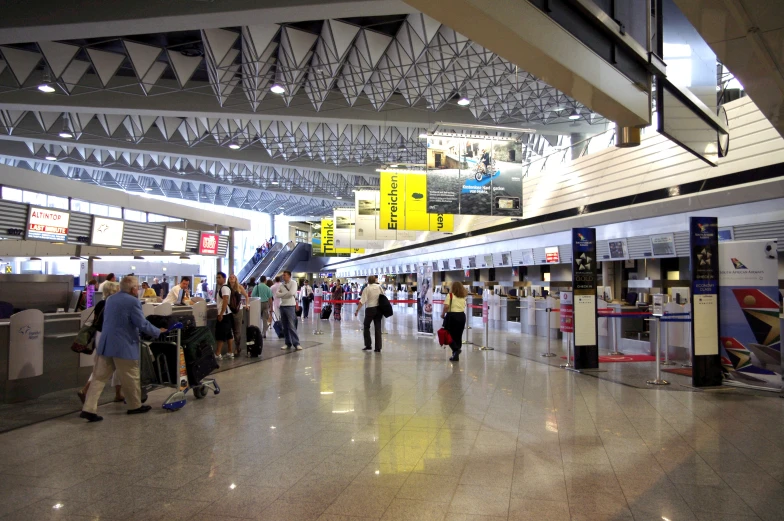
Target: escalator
x,y
292,254
252,269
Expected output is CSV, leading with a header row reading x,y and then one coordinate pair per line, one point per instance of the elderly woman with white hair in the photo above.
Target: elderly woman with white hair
x,y
109,289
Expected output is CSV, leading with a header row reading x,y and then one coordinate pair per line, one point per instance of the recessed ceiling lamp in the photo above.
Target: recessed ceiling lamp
x,y
423,136
274,183
277,89
574,115
148,189
51,158
463,102
393,166
234,146
338,197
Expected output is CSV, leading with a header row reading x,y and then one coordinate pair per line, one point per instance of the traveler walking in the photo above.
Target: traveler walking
x,y
264,294
287,294
118,349
235,304
275,299
109,289
455,317
306,295
337,294
224,328
369,300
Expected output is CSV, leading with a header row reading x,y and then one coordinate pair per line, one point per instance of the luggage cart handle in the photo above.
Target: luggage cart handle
x,y
175,326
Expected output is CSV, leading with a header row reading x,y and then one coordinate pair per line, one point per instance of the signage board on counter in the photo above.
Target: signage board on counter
x,y
107,232
175,239
618,249
46,224
527,257
663,245
551,255
208,243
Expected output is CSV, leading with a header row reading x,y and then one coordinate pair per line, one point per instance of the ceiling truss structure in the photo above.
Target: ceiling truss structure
x,y
426,63
211,193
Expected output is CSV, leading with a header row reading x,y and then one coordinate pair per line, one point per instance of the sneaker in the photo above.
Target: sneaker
x,y
218,357
90,416
283,348
298,348
230,356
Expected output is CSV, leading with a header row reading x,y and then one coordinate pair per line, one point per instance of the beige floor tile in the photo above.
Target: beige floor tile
x,y
429,487
362,501
482,500
535,509
408,509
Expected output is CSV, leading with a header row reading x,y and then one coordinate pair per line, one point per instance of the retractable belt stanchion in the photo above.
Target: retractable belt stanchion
x,y
318,296
468,322
548,354
614,323
668,317
666,360
658,380
568,364
689,364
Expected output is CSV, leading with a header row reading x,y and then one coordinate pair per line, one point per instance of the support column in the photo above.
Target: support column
x,y
90,268
231,251
579,141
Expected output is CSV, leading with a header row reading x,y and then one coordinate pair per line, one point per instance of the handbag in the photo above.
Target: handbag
x,y
84,343
444,337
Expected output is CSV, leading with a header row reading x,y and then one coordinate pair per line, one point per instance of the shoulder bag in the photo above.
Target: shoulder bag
x,y
84,343
444,337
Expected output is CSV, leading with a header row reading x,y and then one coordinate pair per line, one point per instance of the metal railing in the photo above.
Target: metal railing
x,y
274,266
258,268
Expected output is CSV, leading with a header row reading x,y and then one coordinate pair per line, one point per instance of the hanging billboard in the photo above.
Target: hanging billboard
x,y
175,239
345,231
107,232
367,219
208,243
328,246
471,176
403,205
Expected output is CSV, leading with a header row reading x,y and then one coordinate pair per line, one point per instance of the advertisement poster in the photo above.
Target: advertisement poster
x,y
749,325
208,243
425,300
474,176
45,224
704,260
567,312
328,239
584,279
175,239
663,245
345,232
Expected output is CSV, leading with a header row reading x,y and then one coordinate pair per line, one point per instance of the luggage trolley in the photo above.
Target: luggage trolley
x,y
177,399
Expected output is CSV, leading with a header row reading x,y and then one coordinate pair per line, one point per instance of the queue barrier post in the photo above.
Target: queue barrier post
x,y
568,364
667,360
468,322
689,364
658,380
548,354
615,351
485,346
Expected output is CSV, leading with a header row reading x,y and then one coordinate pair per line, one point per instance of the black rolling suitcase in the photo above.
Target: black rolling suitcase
x,y
201,367
326,311
255,342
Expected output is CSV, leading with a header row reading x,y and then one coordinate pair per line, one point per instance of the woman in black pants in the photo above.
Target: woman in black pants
x,y
454,315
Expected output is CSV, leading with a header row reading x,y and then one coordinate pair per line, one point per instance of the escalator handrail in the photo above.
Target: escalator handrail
x,y
273,251
278,263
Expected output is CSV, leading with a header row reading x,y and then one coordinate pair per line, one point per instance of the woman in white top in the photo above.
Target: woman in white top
x,y
236,287
455,317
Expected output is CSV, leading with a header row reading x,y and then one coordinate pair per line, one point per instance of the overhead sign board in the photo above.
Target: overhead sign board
x,y
551,255
618,249
107,232
208,243
663,245
175,239
45,224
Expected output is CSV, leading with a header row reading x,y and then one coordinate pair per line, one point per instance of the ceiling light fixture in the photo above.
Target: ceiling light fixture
x,y
51,158
463,102
277,89
274,183
234,146
338,197
148,189
483,127
393,166
138,257
574,115
184,257
35,258
423,136
66,133
47,79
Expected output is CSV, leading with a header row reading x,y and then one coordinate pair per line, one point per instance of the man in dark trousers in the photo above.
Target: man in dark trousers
x,y
369,300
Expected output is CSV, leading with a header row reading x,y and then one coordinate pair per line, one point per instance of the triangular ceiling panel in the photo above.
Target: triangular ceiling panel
x,y
21,62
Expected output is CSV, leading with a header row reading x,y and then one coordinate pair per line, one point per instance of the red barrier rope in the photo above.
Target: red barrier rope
x,y
357,301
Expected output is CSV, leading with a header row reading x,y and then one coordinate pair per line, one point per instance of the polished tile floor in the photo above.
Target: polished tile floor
x,y
336,434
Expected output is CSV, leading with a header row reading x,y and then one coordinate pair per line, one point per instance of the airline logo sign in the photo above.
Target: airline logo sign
x,y
45,224
208,243
328,239
404,205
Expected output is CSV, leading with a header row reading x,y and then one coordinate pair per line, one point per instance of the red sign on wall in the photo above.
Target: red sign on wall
x,y
208,243
551,255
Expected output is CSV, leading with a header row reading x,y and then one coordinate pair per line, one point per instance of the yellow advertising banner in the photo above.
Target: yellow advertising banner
x,y
328,239
403,205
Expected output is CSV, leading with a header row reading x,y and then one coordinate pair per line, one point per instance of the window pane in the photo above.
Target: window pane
x,y
34,198
115,212
12,194
99,209
54,201
80,206
133,215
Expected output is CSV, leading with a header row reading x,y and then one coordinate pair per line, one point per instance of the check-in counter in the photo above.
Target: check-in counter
x,y
30,370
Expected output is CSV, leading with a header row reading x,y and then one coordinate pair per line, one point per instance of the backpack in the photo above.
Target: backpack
x,y
235,298
255,342
384,306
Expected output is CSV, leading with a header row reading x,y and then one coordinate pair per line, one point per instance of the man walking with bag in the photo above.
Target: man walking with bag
x,y
369,300
306,294
264,293
118,349
287,293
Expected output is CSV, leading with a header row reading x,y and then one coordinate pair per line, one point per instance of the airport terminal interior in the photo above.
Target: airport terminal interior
x,y
392,259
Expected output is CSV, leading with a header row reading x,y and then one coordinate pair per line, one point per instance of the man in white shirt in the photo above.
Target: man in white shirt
x,y
179,294
224,327
369,300
287,295
109,278
306,294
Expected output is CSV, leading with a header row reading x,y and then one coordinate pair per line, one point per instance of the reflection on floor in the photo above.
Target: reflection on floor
x,y
334,433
